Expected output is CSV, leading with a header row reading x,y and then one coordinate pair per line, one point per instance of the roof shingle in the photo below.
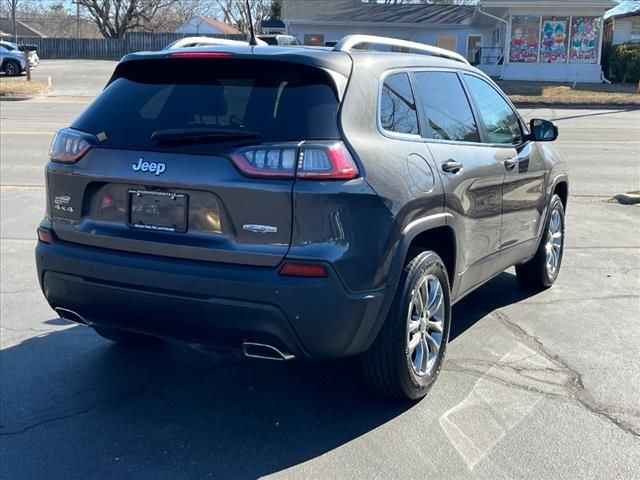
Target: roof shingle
x,y
624,9
357,11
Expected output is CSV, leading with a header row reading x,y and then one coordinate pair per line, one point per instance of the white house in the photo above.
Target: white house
x,y
622,23
545,40
206,26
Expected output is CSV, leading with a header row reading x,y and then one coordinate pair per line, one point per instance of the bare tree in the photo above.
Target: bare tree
x,y
235,12
116,17
275,10
11,7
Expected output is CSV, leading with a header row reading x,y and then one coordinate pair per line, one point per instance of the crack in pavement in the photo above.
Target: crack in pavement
x,y
25,330
583,299
50,420
574,386
477,368
599,247
17,292
511,365
132,392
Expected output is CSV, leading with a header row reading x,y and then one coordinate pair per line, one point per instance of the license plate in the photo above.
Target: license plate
x,y
158,211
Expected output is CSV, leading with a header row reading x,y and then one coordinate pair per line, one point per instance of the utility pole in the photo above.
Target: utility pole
x,y
13,16
77,20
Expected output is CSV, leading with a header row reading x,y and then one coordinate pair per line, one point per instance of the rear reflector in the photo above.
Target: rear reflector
x,y
44,235
201,55
311,161
304,270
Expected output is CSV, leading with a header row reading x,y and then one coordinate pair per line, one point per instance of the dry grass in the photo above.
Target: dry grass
x,y
559,94
19,87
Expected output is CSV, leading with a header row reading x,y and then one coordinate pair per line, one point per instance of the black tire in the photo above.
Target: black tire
x,y
534,273
123,336
11,68
388,365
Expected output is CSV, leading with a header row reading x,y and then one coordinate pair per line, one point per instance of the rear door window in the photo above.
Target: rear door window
x,y
398,106
278,101
447,112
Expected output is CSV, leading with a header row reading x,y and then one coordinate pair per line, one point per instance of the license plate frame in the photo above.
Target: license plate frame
x,y
158,211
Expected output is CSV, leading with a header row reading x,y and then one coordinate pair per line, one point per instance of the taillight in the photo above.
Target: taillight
x,y
267,161
326,162
68,146
310,161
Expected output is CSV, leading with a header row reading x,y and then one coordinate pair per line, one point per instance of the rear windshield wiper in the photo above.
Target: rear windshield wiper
x,y
200,135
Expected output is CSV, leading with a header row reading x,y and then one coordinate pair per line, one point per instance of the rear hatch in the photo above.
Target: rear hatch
x,y
193,156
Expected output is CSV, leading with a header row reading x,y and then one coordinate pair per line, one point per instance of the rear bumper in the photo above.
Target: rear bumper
x,y
208,303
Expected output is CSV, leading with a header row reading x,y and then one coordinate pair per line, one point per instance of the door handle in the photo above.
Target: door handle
x,y
451,166
511,163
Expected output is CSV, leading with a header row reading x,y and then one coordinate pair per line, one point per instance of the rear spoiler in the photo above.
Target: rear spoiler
x,y
337,67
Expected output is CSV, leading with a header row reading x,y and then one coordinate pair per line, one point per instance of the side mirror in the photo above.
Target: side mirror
x,y
543,130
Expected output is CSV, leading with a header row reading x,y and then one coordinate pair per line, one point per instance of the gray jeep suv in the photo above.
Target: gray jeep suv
x,y
298,202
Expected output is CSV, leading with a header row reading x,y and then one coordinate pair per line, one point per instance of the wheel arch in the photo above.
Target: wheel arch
x,y
561,188
428,233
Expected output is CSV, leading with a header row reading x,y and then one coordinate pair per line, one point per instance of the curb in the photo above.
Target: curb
x,y
15,98
18,98
581,106
626,198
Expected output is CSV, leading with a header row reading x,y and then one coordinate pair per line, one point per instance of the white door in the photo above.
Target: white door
x,y
474,42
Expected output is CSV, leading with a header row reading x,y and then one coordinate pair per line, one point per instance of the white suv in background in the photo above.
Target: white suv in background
x,y
12,58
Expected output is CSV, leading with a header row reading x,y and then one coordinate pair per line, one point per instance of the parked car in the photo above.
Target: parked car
x,y
279,39
308,203
34,60
12,62
188,42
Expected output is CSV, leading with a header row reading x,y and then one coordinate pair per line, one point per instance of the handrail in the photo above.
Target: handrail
x,y
347,43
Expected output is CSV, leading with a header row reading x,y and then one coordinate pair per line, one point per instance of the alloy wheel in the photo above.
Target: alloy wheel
x,y
553,246
425,324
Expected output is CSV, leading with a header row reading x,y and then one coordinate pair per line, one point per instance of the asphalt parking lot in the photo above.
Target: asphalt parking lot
x,y
536,385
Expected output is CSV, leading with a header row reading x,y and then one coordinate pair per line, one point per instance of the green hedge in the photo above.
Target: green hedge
x,y
625,62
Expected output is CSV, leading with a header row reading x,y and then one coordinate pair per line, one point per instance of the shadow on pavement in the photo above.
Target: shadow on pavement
x,y
76,406
503,290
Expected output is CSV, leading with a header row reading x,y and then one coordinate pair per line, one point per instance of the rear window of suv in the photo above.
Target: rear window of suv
x,y
277,100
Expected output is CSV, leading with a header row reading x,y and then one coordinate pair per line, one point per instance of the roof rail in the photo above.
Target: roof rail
x,y
349,42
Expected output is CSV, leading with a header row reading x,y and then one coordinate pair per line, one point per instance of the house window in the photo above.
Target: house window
x,y
525,31
554,38
585,40
635,30
448,42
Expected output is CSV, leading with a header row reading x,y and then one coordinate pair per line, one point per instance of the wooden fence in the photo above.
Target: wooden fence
x,y
107,48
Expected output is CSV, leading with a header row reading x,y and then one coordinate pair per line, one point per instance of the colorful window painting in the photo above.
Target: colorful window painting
x,y
524,38
554,39
585,33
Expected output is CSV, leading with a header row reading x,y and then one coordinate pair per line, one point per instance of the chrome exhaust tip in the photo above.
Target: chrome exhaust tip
x,y
70,315
264,352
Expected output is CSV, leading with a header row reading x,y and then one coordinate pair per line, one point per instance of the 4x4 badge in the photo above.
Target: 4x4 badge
x,y
154,167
